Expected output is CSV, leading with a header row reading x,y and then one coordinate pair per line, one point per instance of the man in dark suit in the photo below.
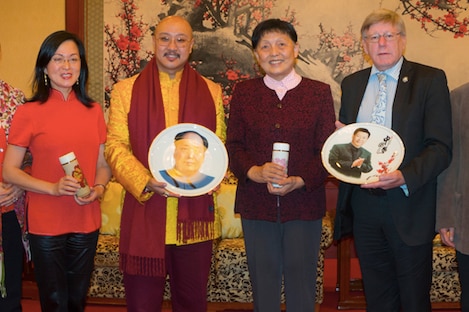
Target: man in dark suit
x,y
393,220
351,159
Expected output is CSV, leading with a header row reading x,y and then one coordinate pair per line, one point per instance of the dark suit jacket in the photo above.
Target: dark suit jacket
x,y
422,118
342,156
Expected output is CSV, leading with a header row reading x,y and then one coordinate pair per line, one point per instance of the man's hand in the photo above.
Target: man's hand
x,y
338,125
387,181
358,162
160,188
447,236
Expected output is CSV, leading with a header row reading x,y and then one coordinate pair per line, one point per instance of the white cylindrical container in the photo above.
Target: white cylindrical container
x,y
71,167
280,153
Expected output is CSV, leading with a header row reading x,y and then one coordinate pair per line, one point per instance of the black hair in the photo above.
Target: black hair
x,y
362,130
271,25
41,90
181,135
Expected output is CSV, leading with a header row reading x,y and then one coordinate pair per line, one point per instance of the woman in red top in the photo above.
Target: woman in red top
x,y
58,119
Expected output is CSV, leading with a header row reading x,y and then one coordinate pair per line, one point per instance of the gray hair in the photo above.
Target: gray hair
x,y
385,16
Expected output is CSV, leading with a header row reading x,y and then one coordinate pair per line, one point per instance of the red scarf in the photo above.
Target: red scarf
x,y
143,227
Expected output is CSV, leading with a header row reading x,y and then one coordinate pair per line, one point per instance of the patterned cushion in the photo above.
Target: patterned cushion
x,y
444,259
445,287
445,278
230,222
232,277
111,208
106,280
107,251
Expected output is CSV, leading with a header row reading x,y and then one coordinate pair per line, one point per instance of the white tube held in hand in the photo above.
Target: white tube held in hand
x,y
71,167
280,153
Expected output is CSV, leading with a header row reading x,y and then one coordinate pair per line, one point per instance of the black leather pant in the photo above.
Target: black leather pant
x,y
62,267
13,253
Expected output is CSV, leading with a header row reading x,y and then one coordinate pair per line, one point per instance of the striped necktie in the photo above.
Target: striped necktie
x,y
379,110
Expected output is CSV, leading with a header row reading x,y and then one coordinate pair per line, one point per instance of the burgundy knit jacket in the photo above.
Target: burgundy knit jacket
x,y
304,118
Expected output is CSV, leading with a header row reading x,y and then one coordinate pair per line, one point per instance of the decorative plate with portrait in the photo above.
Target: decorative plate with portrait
x,y
189,158
360,152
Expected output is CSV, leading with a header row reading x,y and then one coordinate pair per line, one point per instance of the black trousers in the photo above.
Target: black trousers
x,y
396,276
13,256
62,266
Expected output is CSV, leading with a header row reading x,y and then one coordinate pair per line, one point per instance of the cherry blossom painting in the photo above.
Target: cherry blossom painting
x,y
329,35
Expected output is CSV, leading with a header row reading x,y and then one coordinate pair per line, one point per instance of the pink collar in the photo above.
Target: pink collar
x,y
281,87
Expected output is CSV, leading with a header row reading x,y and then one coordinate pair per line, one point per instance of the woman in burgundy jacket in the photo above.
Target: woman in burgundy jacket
x,y
281,225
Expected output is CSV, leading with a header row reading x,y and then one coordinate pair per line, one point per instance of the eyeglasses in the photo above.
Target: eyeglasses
x,y
60,60
179,41
387,36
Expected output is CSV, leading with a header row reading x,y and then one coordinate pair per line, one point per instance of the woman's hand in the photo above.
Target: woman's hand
x,y
67,185
9,194
96,192
267,173
287,185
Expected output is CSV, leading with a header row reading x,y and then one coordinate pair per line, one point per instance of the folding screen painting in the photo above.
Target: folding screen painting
x,y
329,36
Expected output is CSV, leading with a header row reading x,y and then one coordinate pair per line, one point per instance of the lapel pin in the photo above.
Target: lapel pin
x,y
405,79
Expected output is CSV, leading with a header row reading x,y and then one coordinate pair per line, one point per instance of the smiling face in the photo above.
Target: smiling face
x,y
359,138
276,53
64,67
384,54
173,44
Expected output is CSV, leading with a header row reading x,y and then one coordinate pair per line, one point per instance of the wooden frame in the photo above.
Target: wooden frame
x,y
75,17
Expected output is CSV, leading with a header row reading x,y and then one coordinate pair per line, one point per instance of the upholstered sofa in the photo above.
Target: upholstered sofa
x,y
446,290
229,278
